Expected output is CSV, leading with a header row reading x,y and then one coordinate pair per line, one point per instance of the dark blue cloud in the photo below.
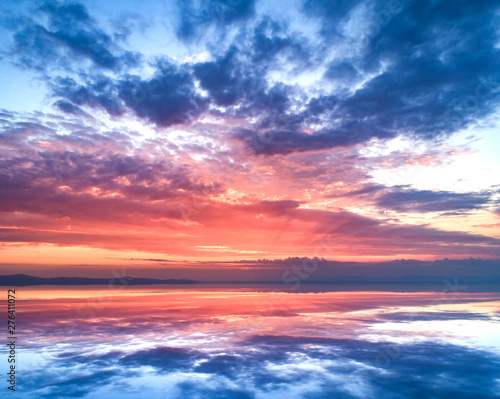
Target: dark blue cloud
x,y
270,39
422,201
422,86
331,13
227,80
64,13
405,199
436,68
163,358
342,71
432,316
366,189
69,33
399,370
438,55
238,76
223,364
76,385
269,364
99,91
196,16
104,360
168,98
191,389
428,70
69,108
289,141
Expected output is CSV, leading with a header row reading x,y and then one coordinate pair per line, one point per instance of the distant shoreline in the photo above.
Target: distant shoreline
x,y
21,280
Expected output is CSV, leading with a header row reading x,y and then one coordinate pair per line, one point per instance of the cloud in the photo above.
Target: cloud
x,y
190,389
409,78
237,77
423,201
69,33
77,385
163,358
370,188
432,316
415,364
280,364
331,14
168,98
196,17
285,142
342,71
98,92
405,199
69,108
423,76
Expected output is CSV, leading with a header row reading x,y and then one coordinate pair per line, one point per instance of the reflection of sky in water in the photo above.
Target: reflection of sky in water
x,y
149,343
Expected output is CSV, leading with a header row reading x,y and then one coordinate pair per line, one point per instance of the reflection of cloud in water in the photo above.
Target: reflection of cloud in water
x,y
218,345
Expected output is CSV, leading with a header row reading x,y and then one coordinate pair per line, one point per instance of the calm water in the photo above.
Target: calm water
x,y
221,342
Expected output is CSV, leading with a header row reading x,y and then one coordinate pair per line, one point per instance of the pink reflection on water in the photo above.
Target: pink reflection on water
x,y
224,317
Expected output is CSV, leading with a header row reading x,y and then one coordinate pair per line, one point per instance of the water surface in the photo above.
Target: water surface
x,y
243,342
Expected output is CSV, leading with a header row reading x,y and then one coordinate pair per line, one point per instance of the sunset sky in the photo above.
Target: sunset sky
x,y
141,133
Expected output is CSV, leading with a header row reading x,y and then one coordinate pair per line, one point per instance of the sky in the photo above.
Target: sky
x,y
229,130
